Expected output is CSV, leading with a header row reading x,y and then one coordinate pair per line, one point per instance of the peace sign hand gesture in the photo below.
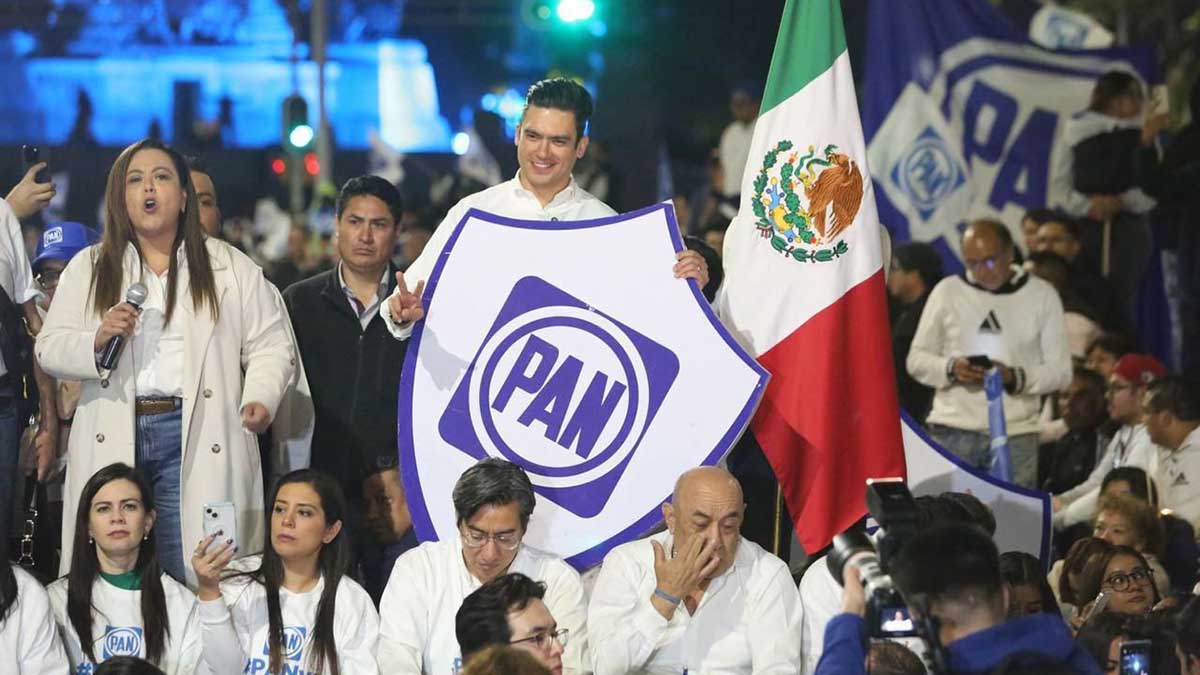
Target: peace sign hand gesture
x,y
406,305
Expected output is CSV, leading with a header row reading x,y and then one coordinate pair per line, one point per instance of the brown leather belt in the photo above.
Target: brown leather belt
x,y
157,406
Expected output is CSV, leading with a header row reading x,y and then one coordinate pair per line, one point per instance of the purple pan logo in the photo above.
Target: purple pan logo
x,y
562,389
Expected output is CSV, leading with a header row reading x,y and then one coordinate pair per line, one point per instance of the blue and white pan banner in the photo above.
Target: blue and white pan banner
x,y
962,112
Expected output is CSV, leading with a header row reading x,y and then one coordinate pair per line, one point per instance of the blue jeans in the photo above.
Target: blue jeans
x,y
974,447
10,436
159,457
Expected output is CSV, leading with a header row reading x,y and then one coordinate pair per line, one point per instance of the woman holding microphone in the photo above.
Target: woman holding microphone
x,y
204,360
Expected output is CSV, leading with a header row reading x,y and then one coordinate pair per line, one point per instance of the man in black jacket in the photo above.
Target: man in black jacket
x,y
352,362
916,269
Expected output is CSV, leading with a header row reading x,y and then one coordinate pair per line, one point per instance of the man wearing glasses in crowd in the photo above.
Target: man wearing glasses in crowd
x,y
1131,444
509,610
493,501
995,314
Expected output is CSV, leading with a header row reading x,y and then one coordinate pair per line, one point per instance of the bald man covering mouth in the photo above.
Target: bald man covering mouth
x,y
698,597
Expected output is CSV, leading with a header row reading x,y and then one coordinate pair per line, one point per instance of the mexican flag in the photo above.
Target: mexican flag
x,y
804,288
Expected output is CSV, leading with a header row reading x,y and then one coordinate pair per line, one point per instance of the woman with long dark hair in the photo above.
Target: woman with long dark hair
x,y
1124,576
294,606
207,359
116,600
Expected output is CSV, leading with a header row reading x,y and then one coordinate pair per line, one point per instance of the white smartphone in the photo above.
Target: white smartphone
x,y
220,517
1098,605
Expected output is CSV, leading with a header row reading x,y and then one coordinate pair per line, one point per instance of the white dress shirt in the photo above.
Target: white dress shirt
x,y
509,199
428,585
158,345
29,640
16,277
748,621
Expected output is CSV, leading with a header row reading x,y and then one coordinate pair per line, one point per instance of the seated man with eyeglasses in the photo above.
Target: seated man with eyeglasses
x,y
509,610
1130,445
994,315
493,501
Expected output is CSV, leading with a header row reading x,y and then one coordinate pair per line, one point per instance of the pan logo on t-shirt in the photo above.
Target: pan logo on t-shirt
x,y
121,641
293,653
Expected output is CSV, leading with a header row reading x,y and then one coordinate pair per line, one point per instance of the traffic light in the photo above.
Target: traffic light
x,y
572,11
297,134
542,14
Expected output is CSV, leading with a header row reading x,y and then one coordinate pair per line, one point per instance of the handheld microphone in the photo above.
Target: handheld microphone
x,y
135,296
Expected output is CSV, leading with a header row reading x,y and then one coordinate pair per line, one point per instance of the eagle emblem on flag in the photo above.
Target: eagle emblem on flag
x,y
803,203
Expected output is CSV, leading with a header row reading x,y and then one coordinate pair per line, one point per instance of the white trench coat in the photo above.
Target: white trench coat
x,y
246,356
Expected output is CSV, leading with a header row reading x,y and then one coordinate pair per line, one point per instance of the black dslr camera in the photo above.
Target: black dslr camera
x,y
891,505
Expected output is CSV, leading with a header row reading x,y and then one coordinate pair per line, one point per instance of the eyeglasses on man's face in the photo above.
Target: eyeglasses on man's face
x,y
545,640
475,539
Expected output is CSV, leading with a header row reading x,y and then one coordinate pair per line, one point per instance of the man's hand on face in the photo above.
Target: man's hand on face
x,y
681,575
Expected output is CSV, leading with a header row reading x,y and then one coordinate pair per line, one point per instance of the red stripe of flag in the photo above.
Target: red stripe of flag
x,y
829,418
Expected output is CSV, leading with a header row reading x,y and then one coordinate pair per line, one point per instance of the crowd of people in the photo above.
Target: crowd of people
x,y
1102,426
171,375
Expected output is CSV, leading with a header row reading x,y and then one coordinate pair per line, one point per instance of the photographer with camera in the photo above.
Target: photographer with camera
x,y
949,578
821,591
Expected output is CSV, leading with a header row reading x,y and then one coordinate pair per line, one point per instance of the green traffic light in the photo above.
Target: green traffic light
x,y
301,136
574,11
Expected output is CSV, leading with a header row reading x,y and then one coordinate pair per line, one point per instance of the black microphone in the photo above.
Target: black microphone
x,y
135,296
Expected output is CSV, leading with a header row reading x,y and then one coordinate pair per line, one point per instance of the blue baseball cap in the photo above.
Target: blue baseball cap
x,y
62,240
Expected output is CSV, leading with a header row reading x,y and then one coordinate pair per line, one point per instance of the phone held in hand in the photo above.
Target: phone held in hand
x,y
979,361
220,517
1135,657
1098,605
30,155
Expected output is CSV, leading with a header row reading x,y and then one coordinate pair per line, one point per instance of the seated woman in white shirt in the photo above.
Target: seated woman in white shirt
x,y
29,642
116,600
293,605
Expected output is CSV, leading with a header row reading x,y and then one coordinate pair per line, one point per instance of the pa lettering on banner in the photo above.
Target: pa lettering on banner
x,y
980,141
570,349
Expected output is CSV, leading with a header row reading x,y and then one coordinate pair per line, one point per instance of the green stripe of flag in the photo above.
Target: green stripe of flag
x,y
810,39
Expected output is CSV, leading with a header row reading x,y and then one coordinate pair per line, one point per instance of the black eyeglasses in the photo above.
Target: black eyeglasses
x,y
544,640
1121,582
